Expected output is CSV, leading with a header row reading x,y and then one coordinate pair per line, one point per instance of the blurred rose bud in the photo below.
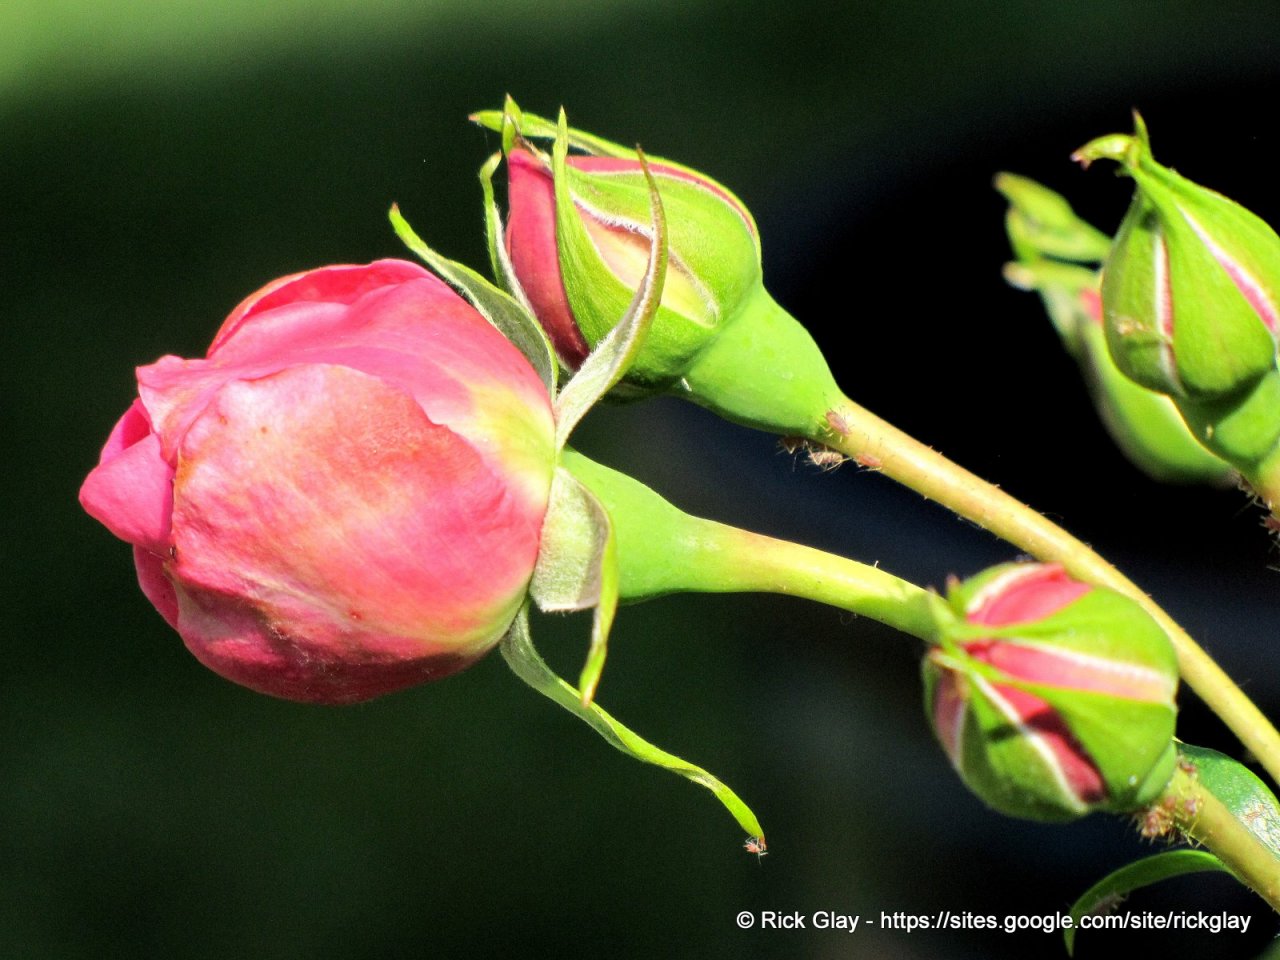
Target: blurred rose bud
x,y
1191,288
1145,425
345,497
581,271
1052,698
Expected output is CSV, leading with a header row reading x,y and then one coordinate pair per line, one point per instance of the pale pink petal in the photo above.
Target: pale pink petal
x,y
1025,593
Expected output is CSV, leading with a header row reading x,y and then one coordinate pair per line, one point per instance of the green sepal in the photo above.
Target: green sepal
x,y
614,355
1041,223
1062,287
1241,791
577,567
499,261
1245,429
1147,426
1103,896
518,650
500,309
711,275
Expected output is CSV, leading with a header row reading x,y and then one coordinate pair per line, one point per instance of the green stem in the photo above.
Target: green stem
x,y
858,433
664,550
1204,818
765,371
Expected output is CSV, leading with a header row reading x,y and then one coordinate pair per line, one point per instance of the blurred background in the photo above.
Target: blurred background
x,y
160,159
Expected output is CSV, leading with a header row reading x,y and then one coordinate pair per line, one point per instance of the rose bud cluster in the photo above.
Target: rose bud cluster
x,y
344,497
1052,698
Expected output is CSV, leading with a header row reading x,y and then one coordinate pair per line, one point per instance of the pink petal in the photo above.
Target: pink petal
x,y
155,584
341,284
321,518
1024,594
531,244
131,494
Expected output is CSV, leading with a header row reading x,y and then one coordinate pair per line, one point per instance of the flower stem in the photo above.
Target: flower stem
x,y
860,434
662,550
1203,817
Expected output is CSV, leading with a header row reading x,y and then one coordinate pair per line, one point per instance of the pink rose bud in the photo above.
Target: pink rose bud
x,y
345,496
1051,697
580,279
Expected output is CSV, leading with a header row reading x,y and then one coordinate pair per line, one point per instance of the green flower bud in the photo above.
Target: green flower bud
x,y
574,245
577,241
1191,288
1052,698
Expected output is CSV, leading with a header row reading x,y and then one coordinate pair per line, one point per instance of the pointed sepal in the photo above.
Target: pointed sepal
x,y
518,650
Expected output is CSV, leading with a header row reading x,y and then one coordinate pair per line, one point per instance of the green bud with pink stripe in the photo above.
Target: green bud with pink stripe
x,y
1191,289
1052,698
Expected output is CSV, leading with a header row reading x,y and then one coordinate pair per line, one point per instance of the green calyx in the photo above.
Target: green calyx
x,y
1190,287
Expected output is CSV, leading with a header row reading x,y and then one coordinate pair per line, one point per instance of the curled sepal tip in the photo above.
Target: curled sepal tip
x,y
518,650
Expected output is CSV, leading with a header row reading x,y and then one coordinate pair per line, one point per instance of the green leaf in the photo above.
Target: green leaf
x,y
1102,896
614,354
578,567
501,310
517,649
1247,797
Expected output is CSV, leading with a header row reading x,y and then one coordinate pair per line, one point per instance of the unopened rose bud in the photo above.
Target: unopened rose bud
x,y
1052,698
345,496
1145,425
580,267
575,246
1191,288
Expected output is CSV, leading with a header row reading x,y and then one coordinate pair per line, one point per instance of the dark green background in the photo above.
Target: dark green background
x,y
160,160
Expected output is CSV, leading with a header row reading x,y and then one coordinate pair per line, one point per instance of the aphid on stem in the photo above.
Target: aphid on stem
x,y
757,846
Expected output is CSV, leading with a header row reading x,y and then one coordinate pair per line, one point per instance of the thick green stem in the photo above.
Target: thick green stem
x,y
858,433
663,550
1204,818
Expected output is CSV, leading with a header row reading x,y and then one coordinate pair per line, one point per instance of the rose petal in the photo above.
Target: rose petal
x,y
340,284
319,513
131,494
531,245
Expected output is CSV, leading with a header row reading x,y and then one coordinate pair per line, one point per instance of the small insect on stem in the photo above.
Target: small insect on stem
x,y
757,846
